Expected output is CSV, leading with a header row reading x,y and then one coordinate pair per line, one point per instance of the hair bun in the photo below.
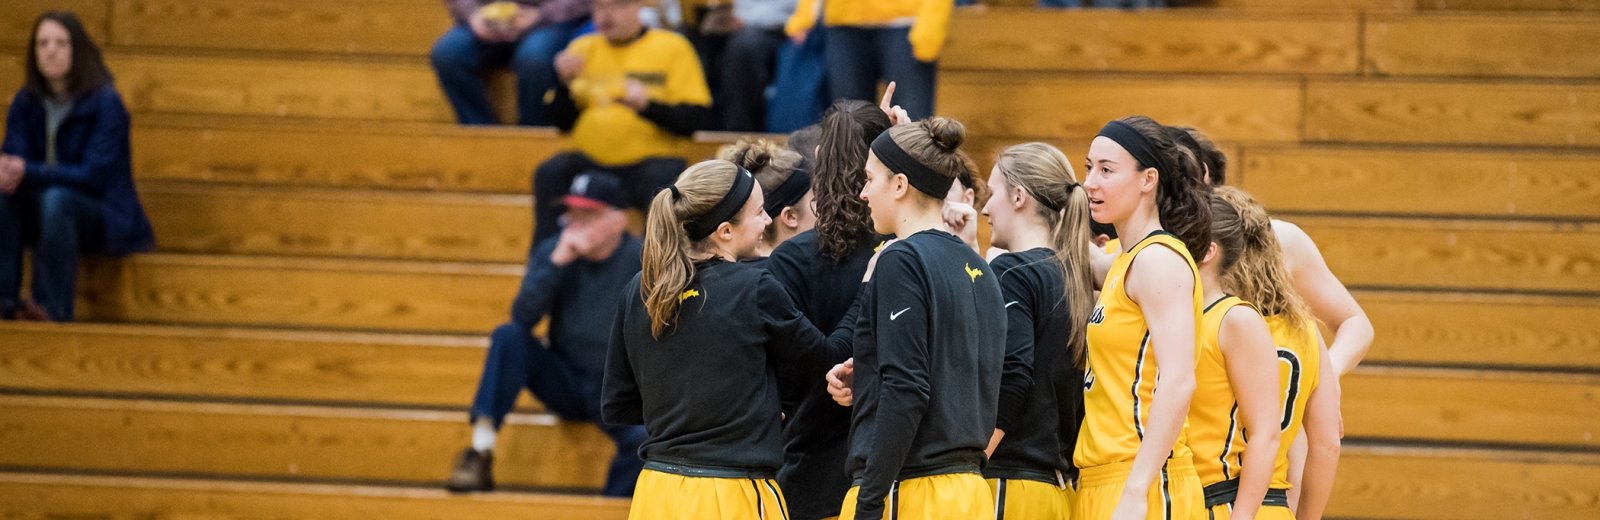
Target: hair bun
x,y
947,134
752,154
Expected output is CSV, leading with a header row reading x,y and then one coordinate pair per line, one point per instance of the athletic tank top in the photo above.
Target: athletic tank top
x,y
1215,432
1121,377
1299,370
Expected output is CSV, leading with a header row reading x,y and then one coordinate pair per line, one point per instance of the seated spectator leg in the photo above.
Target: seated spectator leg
x,y
534,64
748,64
10,255
914,80
551,182
69,224
1060,3
505,372
625,467
853,66
649,176
461,61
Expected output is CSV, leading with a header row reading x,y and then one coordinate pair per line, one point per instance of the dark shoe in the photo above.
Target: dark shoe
x,y
474,472
31,311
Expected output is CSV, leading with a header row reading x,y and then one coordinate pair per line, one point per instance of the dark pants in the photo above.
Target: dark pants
x,y
746,67
462,62
553,179
860,57
517,360
60,223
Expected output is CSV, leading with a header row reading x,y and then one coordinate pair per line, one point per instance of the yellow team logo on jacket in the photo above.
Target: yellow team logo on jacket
x,y
688,294
973,273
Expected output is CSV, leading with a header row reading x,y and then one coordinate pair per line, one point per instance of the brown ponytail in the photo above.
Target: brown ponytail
x,y
1045,174
843,219
1252,263
667,268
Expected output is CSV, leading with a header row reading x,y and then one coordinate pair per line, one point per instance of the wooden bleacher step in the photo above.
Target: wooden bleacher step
x,y
441,372
1465,255
1484,330
1165,41
46,495
441,157
303,293
1503,113
1473,406
1455,181
308,443
1400,482
410,226
279,366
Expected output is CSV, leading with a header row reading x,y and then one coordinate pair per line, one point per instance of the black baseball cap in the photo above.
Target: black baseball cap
x,y
595,189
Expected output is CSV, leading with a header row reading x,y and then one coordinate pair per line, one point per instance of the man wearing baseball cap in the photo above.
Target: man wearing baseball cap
x,y
573,279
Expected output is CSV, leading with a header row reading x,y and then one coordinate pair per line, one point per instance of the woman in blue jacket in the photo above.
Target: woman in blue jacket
x,y
66,181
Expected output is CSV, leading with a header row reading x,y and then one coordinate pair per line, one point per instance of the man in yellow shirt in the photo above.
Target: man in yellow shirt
x,y
634,96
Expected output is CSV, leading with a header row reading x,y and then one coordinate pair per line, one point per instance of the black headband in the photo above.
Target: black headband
x,y
704,225
923,178
789,193
1134,143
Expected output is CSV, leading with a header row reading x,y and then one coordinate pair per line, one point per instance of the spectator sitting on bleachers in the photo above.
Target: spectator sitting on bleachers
x,y
873,41
524,35
66,180
574,280
634,95
740,45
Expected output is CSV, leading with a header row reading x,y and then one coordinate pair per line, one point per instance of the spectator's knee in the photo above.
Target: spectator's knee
x,y
450,52
508,334
56,205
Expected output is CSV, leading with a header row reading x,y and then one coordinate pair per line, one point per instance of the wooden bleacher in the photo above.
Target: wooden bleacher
x,y
333,251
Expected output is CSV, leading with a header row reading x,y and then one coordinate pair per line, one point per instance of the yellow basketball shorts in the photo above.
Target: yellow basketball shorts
x,y
1175,495
666,496
954,496
1020,499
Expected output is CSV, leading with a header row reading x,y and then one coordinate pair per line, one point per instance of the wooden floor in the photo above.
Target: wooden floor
x,y
333,251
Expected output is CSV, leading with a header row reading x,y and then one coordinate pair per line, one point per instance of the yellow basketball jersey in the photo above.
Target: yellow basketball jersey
x,y
1299,369
1121,378
1215,434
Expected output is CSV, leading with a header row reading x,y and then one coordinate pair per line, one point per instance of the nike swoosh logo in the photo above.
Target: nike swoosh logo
x,y
1008,305
894,315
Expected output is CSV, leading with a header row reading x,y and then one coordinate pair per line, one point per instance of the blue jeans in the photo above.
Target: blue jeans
x,y
859,57
517,360
462,62
60,223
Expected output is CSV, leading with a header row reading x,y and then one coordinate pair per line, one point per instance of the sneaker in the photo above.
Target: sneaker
x,y
474,472
31,311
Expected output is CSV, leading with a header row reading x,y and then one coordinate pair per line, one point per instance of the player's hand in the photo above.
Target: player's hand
x,y
1130,508
961,220
896,114
872,263
839,380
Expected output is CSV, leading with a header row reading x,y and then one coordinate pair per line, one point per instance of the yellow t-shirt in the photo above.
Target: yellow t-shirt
x,y
1121,378
1215,433
612,134
1299,370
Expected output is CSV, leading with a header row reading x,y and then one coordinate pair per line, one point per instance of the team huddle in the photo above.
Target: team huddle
x,y
1134,346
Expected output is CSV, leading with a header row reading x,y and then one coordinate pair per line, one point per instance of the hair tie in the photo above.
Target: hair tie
x,y
675,193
